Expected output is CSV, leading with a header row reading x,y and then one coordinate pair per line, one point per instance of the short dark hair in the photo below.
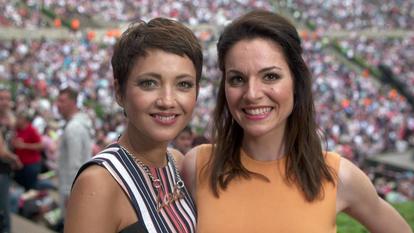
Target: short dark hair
x,y
28,115
72,93
302,139
159,33
187,129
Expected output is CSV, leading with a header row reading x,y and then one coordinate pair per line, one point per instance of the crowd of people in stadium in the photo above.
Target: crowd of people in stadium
x,y
395,53
358,116
355,14
190,12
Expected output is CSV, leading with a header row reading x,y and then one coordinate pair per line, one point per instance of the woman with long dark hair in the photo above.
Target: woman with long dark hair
x,y
266,171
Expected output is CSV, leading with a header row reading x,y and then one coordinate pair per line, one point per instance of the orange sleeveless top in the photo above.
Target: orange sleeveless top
x,y
255,205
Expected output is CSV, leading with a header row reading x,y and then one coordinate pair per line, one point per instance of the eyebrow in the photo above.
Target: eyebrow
x,y
158,76
270,68
263,70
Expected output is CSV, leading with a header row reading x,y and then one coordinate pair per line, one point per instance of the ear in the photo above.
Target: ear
x,y
118,93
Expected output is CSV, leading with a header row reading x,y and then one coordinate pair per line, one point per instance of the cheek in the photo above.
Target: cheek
x,y
187,100
136,101
232,96
284,92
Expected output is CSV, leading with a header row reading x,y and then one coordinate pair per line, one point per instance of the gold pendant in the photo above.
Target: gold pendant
x,y
168,199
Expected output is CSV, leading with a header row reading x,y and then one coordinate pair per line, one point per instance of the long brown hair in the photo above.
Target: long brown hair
x,y
305,164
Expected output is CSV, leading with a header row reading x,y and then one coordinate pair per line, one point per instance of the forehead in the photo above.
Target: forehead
x,y
257,50
167,63
184,134
63,96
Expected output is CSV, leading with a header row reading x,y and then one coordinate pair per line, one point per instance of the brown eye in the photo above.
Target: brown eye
x,y
147,84
271,77
185,85
235,81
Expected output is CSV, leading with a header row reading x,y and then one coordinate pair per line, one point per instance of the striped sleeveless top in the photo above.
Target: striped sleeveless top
x,y
178,216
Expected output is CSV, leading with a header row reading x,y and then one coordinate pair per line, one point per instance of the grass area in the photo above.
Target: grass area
x,y
348,225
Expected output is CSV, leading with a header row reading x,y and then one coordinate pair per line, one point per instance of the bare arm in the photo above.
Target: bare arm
x,y
358,198
5,153
28,145
92,205
35,146
188,171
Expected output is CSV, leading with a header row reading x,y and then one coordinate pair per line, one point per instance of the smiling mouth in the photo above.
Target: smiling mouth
x,y
257,111
164,117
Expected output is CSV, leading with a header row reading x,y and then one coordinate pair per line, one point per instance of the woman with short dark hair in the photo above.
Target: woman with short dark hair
x,y
133,185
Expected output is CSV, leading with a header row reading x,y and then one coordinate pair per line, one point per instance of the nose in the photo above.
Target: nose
x,y
166,99
254,90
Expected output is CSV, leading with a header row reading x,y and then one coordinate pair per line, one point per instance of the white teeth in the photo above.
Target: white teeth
x,y
257,111
165,118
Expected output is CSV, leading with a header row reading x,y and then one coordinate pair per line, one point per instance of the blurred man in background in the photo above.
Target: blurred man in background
x,y
75,143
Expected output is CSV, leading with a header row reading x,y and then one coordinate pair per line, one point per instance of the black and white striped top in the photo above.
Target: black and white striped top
x,y
178,216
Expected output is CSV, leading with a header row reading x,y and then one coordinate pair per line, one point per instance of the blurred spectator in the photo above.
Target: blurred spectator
x,y
27,144
199,140
8,160
183,141
49,140
75,143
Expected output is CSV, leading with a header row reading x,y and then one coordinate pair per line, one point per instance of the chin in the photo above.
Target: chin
x,y
255,132
164,137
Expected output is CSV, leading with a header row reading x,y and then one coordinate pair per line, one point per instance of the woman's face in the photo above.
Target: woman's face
x,y
259,87
160,95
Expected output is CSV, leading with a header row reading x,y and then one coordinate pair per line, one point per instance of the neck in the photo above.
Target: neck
x,y
264,148
144,149
23,126
71,114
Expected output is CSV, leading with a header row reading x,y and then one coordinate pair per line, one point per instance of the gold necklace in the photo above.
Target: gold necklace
x,y
168,198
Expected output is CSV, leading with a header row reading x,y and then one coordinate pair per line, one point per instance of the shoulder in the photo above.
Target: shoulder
x,y
93,198
95,180
198,155
332,159
191,163
178,157
80,119
202,152
72,126
95,187
331,156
